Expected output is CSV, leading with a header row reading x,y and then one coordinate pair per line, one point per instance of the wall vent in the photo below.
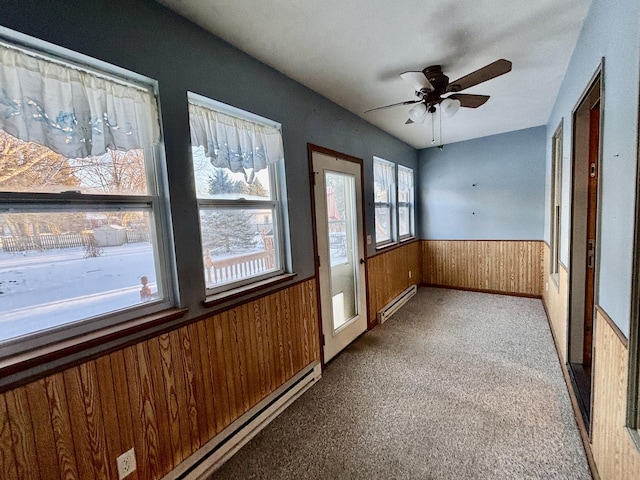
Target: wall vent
x,y
394,305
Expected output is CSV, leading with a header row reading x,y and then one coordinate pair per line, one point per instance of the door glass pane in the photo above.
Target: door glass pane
x,y
343,251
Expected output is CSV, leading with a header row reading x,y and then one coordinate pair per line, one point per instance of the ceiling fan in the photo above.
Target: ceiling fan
x,y
431,84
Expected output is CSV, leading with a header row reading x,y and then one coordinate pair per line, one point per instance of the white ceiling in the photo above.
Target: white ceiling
x,y
352,52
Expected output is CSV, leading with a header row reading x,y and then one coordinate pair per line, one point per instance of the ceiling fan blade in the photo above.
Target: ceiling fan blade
x,y
468,100
408,102
493,70
417,80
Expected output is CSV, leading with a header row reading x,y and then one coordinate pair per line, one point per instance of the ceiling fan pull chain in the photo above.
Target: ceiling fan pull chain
x,y
433,128
440,117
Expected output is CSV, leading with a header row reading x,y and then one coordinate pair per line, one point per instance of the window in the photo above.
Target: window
x,y
405,203
384,190
238,162
80,209
393,220
556,200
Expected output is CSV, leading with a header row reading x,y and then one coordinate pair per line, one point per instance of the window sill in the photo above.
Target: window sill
x,y
246,290
382,246
392,246
407,239
33,364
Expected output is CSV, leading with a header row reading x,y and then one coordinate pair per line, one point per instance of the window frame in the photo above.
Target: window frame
x,y
556,202
155,202
410,204
394,204
276,203
389,205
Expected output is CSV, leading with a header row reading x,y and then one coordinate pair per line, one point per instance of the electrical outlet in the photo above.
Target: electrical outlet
x,y
409,273
126,463
546,286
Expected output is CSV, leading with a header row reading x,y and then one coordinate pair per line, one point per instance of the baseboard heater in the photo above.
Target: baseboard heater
x,y
394,305
219,449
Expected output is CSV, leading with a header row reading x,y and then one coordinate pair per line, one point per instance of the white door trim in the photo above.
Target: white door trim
x,y
337,340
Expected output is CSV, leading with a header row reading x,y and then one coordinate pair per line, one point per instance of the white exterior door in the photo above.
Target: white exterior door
x,y
340,237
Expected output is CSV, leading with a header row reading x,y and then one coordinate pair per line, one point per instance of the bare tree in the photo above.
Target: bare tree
x,y
28,166
114,172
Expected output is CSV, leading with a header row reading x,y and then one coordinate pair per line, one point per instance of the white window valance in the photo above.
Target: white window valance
x,y
383,173
71,111
234,143
405,182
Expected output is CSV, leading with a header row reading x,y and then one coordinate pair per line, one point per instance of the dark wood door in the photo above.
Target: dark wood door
x,y
592,205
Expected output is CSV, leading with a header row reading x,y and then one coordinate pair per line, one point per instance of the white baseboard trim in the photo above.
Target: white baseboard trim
x,y
219,449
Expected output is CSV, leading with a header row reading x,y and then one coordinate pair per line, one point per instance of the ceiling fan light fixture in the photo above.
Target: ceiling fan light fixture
x,y
449,106
418,113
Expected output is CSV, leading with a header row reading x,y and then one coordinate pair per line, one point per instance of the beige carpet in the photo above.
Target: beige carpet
x,y
456,385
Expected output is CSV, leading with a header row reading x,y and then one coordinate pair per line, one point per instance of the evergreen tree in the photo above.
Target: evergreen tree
x,y
219,183
227,231
255,189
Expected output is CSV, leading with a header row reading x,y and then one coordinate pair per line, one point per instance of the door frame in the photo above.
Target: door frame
x,y
311,149
577,242
633,382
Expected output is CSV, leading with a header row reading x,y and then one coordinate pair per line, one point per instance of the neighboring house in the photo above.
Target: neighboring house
x,y
172,374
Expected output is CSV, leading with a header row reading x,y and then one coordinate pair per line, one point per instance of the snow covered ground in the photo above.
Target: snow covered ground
x,y
40,290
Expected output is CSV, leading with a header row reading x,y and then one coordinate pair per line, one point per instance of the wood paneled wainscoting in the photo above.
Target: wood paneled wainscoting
x,y
616,456
166,396
389,273
511,267
611,449
555,297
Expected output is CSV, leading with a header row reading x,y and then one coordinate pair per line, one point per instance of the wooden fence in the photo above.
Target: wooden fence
x,y
65,240
137,236
43,242
239,266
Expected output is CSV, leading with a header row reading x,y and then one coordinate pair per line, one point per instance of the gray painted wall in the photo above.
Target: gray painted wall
x,y
611,30
146,38
490,188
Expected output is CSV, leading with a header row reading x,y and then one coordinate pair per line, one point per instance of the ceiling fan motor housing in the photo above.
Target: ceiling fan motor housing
x,y
438,79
